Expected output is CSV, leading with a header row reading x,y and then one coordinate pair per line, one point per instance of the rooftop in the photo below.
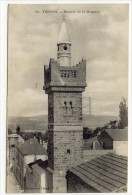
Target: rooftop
x,y
38,165
91,139
35,162
118,134
39,162
107,173
31,147
12,135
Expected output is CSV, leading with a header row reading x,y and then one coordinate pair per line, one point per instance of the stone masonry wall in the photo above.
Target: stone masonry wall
x,y
50,108
67,149
68,108
50,149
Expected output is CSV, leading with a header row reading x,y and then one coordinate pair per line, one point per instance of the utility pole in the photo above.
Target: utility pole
x,y
89,104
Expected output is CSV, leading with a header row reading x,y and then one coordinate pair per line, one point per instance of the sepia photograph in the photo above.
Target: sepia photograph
x,y
67,98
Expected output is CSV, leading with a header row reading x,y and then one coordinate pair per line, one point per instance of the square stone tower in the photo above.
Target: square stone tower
x,y
64,85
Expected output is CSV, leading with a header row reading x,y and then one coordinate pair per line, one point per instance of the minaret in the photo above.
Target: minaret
x,y
64,85
64,46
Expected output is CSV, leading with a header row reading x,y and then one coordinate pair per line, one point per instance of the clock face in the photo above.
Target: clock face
x,y
65,47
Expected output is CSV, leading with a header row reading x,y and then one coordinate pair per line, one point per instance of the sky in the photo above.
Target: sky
x,y
98,33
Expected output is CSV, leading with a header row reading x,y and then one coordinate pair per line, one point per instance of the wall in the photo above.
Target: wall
x,y
68,149
35,179
121,147
20,164
50,149
65,143
59,114
56,181
105,140
49,176
53,75
43,182
12,140
19,167
67,114
64,55
91,154
11,155
29,180
92,145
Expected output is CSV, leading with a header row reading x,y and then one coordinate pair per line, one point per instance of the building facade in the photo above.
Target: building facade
x,y
36,177
115,139
64,85
26,153
12,139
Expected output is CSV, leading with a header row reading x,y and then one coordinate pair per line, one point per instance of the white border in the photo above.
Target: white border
x,y
3,82
130,103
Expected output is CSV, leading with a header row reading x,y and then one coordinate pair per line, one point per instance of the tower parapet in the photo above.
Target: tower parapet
x,y
67,78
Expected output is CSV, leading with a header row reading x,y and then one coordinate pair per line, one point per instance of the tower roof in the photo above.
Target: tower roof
x,y
64,36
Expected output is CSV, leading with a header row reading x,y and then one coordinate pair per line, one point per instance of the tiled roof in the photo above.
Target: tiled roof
x,y
13,135
107,173
118,134
30,147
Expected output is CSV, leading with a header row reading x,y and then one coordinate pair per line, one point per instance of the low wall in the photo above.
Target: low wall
x,y
91,154
121,147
